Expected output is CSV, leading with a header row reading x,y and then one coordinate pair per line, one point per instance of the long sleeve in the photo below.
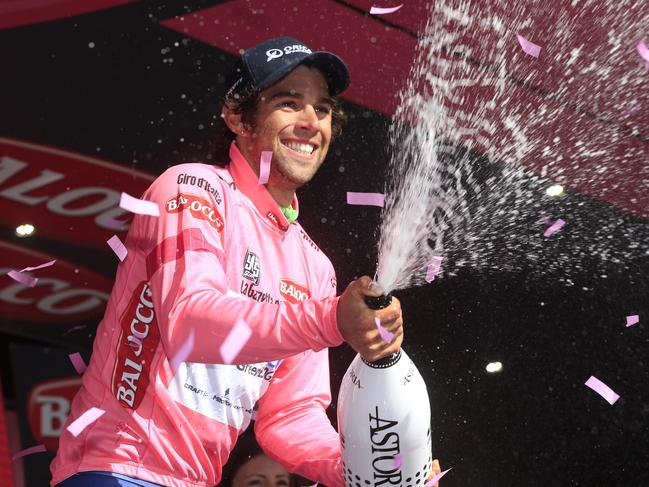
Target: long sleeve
x,y
292,426
185,250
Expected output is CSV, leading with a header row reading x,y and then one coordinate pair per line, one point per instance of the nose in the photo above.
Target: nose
x,y
308,119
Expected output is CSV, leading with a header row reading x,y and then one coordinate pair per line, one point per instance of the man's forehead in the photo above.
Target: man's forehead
x,y
302,79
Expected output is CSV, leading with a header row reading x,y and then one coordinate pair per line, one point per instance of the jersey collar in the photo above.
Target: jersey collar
x,y
248,183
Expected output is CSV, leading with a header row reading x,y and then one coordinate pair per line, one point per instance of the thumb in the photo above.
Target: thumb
x,y
367,287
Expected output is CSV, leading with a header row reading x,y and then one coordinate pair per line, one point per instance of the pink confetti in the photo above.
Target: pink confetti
x,y
632,320
80,424
385,334
644,53
47,264
29,451
141,207
77,361
74,328
264,166
118,247
554,228
436,478
602,389
370,199
433,268
235,341
384,10
23,278
643,50
182,353
114,224
529,47
398,460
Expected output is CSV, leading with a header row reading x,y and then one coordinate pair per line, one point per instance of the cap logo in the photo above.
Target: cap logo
x,y
275,53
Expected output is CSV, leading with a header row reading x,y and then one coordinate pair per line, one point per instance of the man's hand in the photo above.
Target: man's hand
x,y
435,470
357,324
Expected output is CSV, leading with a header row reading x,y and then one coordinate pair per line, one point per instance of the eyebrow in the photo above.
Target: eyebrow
x,y
294,94
253,475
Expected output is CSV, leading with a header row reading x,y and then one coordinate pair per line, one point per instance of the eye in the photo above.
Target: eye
x,y
288,104
325,109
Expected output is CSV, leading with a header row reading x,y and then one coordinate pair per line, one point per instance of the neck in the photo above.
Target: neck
x,y
283,197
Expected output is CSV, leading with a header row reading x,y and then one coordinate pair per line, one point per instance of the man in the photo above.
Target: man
x,y
227,254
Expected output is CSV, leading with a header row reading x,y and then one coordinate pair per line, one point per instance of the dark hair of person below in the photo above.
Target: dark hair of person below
x,y
245,100
246,449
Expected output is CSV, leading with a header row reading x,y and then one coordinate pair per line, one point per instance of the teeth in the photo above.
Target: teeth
x,y
297,147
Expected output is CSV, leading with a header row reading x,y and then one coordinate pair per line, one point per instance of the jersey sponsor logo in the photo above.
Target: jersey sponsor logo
x,y
292,291
65,293
49,188
137,344
48,407
226,393
265,371
222,399
308,239
248,289
198,207
226,401
202,183
273,218
251,267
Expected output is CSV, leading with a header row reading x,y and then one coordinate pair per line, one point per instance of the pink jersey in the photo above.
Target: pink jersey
x,y
220,251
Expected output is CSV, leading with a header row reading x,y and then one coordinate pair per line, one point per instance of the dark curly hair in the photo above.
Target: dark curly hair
x,y
246,449
244,101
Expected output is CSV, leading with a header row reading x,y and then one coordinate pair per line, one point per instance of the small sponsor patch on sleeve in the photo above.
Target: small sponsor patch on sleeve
x,y
292,291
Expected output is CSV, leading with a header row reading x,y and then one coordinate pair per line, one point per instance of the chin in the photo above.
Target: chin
x,y
297,180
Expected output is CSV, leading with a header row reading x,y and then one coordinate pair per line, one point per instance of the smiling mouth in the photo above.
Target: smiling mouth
x,y
302,148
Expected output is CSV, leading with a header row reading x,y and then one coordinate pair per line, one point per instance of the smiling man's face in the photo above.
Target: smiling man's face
x,y
293,119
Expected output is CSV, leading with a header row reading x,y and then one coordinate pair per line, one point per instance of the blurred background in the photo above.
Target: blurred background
x,y
98,97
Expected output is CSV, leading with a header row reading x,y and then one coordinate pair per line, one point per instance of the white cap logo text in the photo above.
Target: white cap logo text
x,y
275,53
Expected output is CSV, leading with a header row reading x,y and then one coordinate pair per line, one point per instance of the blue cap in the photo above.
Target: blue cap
x,y
267,63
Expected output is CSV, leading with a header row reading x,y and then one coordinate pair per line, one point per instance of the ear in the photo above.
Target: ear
x,y
233,121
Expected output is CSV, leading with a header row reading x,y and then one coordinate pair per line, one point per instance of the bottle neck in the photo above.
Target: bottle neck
x,y
385,362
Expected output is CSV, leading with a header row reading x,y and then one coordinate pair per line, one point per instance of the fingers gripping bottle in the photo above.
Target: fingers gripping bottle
x,y
384,421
